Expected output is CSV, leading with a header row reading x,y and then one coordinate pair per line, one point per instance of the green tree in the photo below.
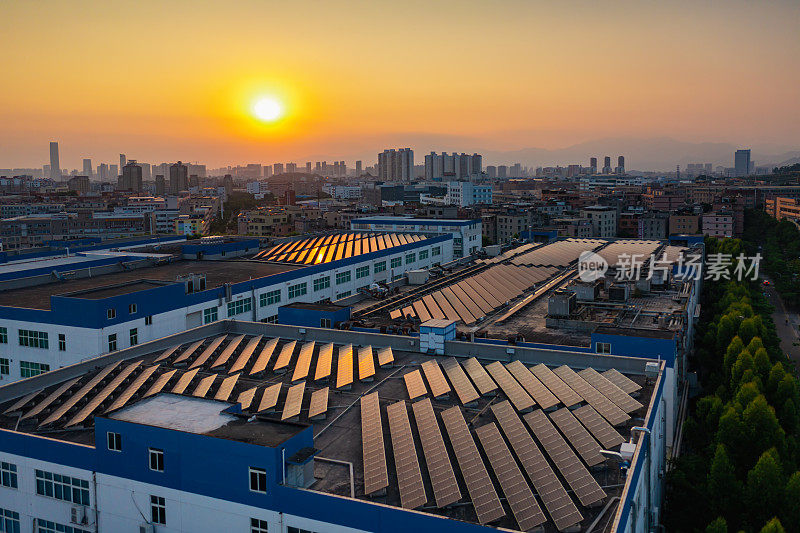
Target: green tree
x,y
724,489
762,427
764,488
748,329
791,503
719,525
773,526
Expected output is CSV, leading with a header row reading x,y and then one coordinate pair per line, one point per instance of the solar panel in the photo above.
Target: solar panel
x,y
166,353
556,501
319,403
324,362
269,398
376,474
245,398
344,367
202,388
208,352
285,357
78,396
563,392
599,427
226,388
479,376
159,383
184,380
366,364
421,310
622,381
460,309
617,396
385,356
406,463
464,390
440,470
227,352
433,309
22,402
436,380
101,396
53,396
303,364
294,401
526,510
245,356
481,490
532,385
414,384
445,306
578,436
603,405
263,358
133,388
187,353
513,390
584,486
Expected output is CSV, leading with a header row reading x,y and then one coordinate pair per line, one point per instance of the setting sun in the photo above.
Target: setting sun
x,y
268,109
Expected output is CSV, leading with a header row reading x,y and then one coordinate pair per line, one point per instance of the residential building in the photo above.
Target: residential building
x,y
396,164
742,163
603,219
464,193
717,224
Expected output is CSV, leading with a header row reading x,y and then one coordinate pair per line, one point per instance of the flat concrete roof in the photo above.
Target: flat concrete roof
x,y
173,411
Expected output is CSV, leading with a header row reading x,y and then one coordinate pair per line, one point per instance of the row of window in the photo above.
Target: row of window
x,y
61,487
111,313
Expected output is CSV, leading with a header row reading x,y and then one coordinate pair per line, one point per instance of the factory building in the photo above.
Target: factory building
x,y
466,233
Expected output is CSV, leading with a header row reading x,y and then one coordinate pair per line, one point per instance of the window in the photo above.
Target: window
x,y
298,290
258,480
156,460
423,254
9,521
66,488
271,297
3,335
134,336
322,283
291,529
111,313
380,267
603,347
436,250
158,510
148,320
237,307
132,309
397,261
343,277
5,366
411,258
362,272
271,319
8,475
28,369
344,294
62,342
46,526
112,342
33,339
210,315
114,441
324,322
258,526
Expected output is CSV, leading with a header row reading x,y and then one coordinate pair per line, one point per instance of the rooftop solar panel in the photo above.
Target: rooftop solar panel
x,y
526,510
445,306
245,398
133,388
188,352
269,398
303,364
160,382
263,358
421,310
414,384
344,367
621,381
366,364
603,405
385,356
461,383
294,401
78,396
461,310
436,380
376,474
479,485
433,308
578,436
285,357
101,396
479,376
556,501
618,396
22,402
228,351
226,388
556,385
53,396
513,390
208,352
532,385
246,354
409,476
184,381
324,362
319,403
599,427
586,488
166,353
204,385
440,470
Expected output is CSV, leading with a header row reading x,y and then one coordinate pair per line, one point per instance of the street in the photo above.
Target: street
x,y
786,324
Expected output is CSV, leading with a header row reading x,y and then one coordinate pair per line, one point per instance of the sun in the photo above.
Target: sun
x,y
268,109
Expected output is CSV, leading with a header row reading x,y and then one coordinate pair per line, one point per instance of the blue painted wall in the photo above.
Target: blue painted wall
x,y
311,318
648,348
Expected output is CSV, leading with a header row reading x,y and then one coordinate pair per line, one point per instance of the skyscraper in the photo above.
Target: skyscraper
x,y
122,160
87,167
456,166
593,165
131,179
396,164
277,168
607,165
55,168
291,168
621,165
178,178
359,168
741,163
308,167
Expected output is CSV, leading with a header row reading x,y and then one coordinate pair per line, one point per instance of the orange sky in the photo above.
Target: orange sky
x,y
175,79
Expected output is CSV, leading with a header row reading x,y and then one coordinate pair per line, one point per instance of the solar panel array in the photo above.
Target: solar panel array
x,y
409,476
513,390
622,381
618,396
558,254
376,474
464,390
603,405
556,385
436,380
541,394
317,250
598,427
414,384
578,436
440,470
469,300
615,253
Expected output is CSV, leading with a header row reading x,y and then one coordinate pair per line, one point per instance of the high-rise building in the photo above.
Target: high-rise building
x,y
491,171
267,171
178,178
277,168
359,169
318,167
102,171
742,163
516,170
607,165
396,164
113,173
342,169
620,165
161,188
122,160
308,167
87,168
452,167
502,171
131,179
291,168
593,165
55,167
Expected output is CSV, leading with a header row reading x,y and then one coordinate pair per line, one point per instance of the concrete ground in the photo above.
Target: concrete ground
x,y
786,323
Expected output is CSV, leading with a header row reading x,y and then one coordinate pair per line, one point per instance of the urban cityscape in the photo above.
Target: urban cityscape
x,y
274,282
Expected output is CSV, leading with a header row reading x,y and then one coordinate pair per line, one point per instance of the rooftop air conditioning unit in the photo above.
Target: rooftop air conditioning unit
x,y
146,528
78,515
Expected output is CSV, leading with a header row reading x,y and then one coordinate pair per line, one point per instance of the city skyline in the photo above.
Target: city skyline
x,y
627,70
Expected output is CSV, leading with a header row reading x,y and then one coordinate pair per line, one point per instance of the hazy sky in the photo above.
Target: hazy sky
x,y
176,79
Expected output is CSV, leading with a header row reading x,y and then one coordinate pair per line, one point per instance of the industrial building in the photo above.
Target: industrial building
x,y
245,426
466,233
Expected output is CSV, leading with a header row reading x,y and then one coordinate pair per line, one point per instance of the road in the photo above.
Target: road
x,y
786,324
